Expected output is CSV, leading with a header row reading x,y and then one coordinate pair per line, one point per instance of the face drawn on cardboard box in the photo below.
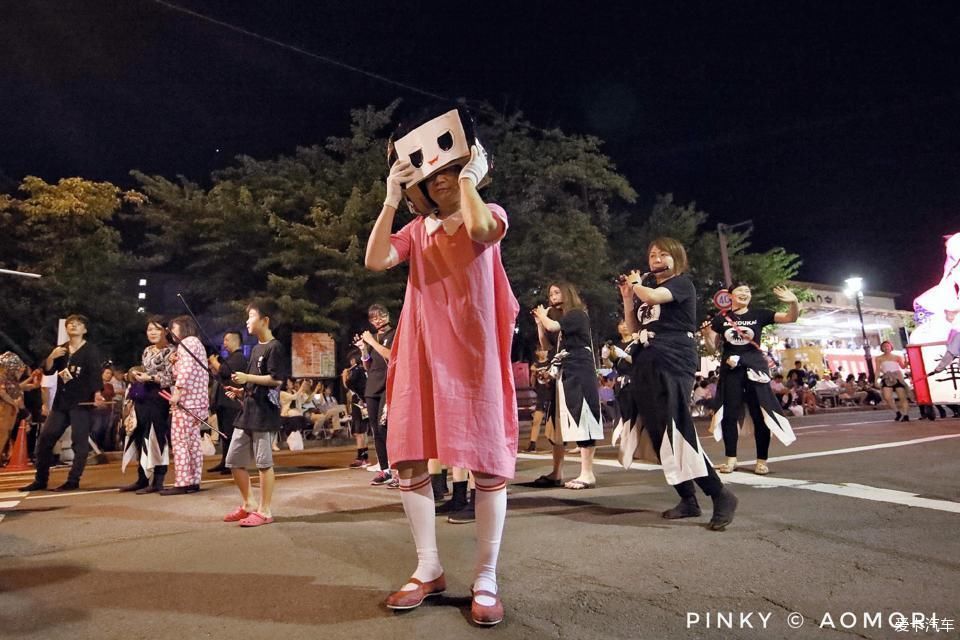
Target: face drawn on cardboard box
x,y
434,145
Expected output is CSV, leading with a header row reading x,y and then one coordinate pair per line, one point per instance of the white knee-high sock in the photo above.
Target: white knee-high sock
x,y
417,497
491,509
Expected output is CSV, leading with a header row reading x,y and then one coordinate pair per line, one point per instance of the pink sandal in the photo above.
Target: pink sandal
x,y
235,516
255,520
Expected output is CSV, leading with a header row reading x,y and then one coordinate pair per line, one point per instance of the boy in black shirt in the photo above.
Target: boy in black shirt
x,y
259,418
77,365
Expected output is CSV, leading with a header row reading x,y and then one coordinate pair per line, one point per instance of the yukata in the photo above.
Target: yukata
x,y
191,379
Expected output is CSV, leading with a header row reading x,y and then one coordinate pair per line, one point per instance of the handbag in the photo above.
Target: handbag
x,y
130,417
129,412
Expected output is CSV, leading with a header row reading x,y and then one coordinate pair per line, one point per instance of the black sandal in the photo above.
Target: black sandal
x,y
545,482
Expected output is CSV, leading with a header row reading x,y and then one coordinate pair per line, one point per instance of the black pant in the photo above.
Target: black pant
x,y
101,428
57,422
710,484
225,419
737,391
379,431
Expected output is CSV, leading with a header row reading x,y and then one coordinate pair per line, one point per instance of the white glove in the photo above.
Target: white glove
x,y
476,168
643,337
620,353
733,361
400,173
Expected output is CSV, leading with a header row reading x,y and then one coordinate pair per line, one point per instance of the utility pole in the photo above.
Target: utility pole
x,y
722,231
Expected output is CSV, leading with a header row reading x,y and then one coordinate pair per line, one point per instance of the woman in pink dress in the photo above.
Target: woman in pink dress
x,y
450,389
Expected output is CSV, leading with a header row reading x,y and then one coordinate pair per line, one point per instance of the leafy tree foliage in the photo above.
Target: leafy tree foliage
x,y
65,232
294,228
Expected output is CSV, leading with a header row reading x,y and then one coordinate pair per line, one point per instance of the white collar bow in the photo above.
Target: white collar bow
x,y
450,224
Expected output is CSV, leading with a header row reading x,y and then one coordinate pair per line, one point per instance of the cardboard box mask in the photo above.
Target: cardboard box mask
x,y
434,145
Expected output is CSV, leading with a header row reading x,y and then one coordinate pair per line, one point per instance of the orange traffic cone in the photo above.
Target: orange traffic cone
x,y
20,461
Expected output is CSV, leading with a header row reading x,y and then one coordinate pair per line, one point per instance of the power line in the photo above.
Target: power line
x,y
474,104
295,49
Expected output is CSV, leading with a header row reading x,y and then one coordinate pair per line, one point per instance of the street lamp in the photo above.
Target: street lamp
x,y
855,290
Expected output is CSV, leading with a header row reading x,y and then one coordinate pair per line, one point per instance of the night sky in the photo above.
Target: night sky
x,y
835,128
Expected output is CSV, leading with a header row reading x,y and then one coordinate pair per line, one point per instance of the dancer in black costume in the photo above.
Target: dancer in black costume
x,y
744,398
663,374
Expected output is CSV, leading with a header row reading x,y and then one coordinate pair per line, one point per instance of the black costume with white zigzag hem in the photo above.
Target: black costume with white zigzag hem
x,y
657,420
744,401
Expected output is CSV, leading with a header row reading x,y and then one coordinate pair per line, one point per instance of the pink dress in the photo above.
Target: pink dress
x,y
450,391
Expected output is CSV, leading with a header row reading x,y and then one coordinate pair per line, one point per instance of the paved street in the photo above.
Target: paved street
x,y
860,515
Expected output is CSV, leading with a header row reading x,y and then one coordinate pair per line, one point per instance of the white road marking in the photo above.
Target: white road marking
x,y
6,504
810,433
842,424
869,447
848,490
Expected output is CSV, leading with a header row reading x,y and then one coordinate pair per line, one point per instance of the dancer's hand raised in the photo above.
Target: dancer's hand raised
x,y
784,294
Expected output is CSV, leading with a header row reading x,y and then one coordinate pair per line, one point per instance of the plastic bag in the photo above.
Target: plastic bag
x,y
295,441
206,446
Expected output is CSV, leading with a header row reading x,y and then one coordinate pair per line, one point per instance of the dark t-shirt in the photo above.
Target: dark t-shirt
x,y
797,376
84,366
377,373
554,314
620,365
574,330
261,408
233,363
357,380
673,325
677,316
745,342
751,325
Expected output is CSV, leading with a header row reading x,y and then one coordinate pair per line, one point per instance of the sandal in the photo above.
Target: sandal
x,y
255,520
236,515
761,469
547,482
580,485
727,467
